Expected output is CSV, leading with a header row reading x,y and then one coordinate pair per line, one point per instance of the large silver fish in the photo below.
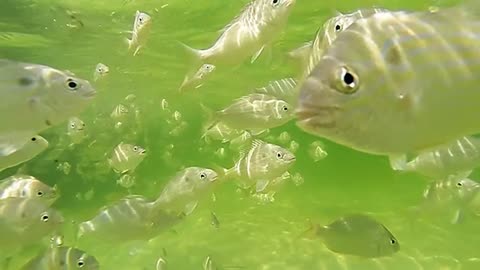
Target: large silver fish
x,y
62,258
397,82
260,22
29,150
34,98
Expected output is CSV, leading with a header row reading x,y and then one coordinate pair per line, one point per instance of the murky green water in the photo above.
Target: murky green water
x,y
251,234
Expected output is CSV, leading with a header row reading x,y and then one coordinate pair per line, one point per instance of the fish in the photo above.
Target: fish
x,y
259,164
36,145
329,31
196,81
255,112
140,32
457,158
62,258
284,89
126,157
302,53
358,235
220,132
186,188
131,218
26,186
120,113
407,84
35,98
316,151
101,70
449,197
25,221
76,130
247,35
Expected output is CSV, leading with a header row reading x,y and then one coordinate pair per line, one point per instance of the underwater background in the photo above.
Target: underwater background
x,y
252,234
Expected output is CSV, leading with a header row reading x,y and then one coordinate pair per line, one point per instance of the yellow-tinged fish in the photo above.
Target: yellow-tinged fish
x,y
34,98
27,186
101,70
256,27
126,157
140,32
358,235
62,258
186,188
284,89
196,81
76,130
29,150
221,132
260,164
397,82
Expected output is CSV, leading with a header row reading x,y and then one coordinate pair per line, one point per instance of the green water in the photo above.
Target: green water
x,y
251,234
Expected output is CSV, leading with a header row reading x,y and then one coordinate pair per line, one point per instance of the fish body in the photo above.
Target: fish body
x,y
26,186
197,80
260,22
260,164
126,157
257,112
131,218
284,89
29,150
76,130
221,132
120,113
140,32
62,258
397,82
186,188
36,97
358,235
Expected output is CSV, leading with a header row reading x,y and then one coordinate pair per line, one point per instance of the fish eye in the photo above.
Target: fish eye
x,y
275,2
33,139
349,81
135,148
393,242
72,125
73,85
203,175
40,193
285,108
459,184
338,28
80,263
279,154
45,218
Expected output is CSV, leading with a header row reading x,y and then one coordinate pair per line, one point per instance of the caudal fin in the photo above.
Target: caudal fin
x,y
195,55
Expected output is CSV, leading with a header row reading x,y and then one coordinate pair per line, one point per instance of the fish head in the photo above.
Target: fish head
x,y
142,21
49,220
65,95
102,69
79,259
466,188
36,144
205,177
138,150
387,245
283,110
276,158
75,124
40,190
208,68
275,10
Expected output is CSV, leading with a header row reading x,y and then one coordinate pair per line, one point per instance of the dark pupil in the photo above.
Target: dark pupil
x,y
34,139
337,27
285,108
45,217
348,79
80,264
72,84
275,1
39,193
459,184
279,155
393,241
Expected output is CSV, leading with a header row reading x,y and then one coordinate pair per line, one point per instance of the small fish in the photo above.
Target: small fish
x,y
36,97
26,186
186,188
284,89
76,130
128,219
316,150
458,157
24,221
120,113
220,132
260,164
161,264
284,137
140,32
101,70
197,80
358,235
255,28
214,220
63,258
29,150
377,89
255,112
126,157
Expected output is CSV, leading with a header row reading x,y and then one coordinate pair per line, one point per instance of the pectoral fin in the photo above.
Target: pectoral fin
x,y
190,207
261,185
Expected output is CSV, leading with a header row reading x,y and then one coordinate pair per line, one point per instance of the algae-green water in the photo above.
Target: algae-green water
x,y
252,234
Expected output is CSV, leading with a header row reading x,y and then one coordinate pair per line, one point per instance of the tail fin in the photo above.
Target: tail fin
x,y
195,55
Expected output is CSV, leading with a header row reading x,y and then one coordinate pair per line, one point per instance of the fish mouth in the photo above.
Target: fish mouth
x,y
143,152
309,117
90,94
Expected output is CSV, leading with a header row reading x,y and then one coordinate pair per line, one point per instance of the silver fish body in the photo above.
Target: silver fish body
x,y
36,145
397,82
26,186
284,89
140,32
62,258
198,78
126,157
36,97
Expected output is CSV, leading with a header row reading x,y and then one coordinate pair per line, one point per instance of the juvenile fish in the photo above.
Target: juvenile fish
x,y
197,80
284,89
221,132
62,258
120,113
76,130
101,70
126,157
358,235
256,112
255,28
34,98
259,164
27,186
186,188
397,83
140,32
36,145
